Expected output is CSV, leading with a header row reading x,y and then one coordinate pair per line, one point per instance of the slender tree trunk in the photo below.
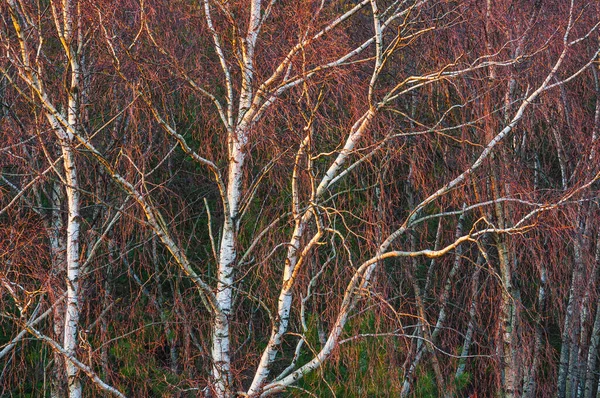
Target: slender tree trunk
x,y
72,312
170,335
591,379
227,257
472,313
507,326
429,342
449,280
584,322
430,270
70,36
508,310
508,314
576,329
221,343
106,302
410,372
592,357
58,383
431,338
530,385
569,332
591,372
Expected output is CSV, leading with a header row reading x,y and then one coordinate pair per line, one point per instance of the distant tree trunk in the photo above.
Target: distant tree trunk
x,y
468,340
170,334
531,380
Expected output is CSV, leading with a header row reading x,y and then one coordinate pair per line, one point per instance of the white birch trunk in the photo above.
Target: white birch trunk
x,y
57,246
69,34
227,257
73,267
228,250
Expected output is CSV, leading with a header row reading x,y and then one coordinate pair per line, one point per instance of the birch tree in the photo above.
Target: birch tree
x,y
281,181
66,23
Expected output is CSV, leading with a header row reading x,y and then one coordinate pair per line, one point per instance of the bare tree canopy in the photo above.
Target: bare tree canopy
x,y
304,198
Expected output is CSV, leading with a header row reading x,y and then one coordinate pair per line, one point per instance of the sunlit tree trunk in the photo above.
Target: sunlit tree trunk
x,y
71,35
73,299
58,386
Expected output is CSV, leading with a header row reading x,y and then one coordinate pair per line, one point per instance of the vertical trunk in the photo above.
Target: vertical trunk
x,y
72,312
227,257
591,278
449,280
530,385
410,373
424,332
444,389
70,37
580,362
591,386
592,357
569,333
58,384
107,299
507,349
471,327
564,349
592,360
439,377
170,335
568,377
220,344
507,325
429,279
569,368
237,141
418,346
576,329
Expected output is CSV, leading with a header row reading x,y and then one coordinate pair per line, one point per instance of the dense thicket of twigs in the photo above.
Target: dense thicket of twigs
x,y
223,198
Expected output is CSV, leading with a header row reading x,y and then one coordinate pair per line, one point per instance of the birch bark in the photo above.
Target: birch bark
x,y
69,38
58,385
72,311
